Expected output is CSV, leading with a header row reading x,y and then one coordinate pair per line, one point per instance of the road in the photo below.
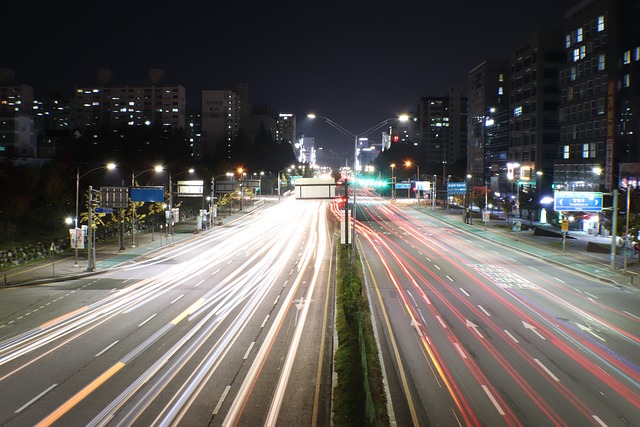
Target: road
x,y
233,327
474,333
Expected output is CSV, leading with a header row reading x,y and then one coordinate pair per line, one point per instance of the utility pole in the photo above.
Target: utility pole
x,y
614,226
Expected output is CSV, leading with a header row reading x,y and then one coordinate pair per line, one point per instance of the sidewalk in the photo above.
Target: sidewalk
x,y
586,253
109,255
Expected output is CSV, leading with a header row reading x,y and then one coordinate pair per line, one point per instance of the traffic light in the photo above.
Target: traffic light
x,y
395,137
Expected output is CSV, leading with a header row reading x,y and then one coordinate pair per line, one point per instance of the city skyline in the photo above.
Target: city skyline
x,y
356,64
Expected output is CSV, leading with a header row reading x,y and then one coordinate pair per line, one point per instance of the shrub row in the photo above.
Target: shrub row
x,y
359,398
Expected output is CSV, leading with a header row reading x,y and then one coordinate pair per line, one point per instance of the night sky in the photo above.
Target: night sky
x,y
357,62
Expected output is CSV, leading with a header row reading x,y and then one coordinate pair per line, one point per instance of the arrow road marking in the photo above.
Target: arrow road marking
x,y
588,330
472,325
533,329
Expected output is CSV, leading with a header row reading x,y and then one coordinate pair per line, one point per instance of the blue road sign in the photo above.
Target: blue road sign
x,y
102,209
147,194
585,201
456,187
402,186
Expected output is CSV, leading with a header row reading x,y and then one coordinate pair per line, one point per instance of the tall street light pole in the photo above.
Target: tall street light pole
x,y
213,188
133,204
280,182
393,182
435,192
171,176
408,164
355,137
109,166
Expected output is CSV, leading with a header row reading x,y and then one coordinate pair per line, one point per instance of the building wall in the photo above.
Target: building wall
x,y
118,107
442,129
219,121
534,98
595,94
487,157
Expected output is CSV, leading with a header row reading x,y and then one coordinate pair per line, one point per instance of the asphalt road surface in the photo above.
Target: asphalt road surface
x,y
475,333
233,327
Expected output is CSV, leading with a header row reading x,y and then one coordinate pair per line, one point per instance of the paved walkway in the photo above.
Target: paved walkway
x,y
108,255
584,252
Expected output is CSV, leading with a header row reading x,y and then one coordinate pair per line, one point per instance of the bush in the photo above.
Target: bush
x,y
359,398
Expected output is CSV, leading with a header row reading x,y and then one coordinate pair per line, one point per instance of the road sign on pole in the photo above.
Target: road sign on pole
x,y
585,201
102,209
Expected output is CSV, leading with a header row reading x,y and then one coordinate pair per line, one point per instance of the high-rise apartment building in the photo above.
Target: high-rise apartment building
x,y
225,114
220,109
599,105
442,129
534,98
488,125
111,107
17,126
286,128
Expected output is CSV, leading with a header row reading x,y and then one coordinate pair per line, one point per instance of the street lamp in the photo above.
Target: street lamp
x,y
614,224
409,163
469,202
213,188
108,166
133,204
171,176
402,118
511,167
393,182
433,200
279,182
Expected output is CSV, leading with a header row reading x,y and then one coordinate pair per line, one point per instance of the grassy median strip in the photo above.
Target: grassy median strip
x,y
359,398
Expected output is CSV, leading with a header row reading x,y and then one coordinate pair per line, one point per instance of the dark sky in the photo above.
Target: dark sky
x,y
356,62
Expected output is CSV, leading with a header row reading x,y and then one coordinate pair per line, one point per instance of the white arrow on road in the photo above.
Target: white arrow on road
x,y
533,328
588,329
472,325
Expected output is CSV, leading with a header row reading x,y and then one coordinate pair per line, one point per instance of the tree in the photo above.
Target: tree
x,y
530,201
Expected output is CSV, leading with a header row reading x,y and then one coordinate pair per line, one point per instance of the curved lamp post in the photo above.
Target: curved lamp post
x,y
355,137
393,182
279,182
408,164
108,166
171,176
133,204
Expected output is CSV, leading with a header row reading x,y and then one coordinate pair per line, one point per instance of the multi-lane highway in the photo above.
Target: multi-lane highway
x,y
474,333
234,327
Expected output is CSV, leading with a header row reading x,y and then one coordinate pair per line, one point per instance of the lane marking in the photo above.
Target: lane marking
x,y
465,292
221,400
511,336
632,315
264,322
464,356
599,421
107,348
148,318
493,399
547,370
78,397
246,355
444,325
177,299
484,311
35,399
